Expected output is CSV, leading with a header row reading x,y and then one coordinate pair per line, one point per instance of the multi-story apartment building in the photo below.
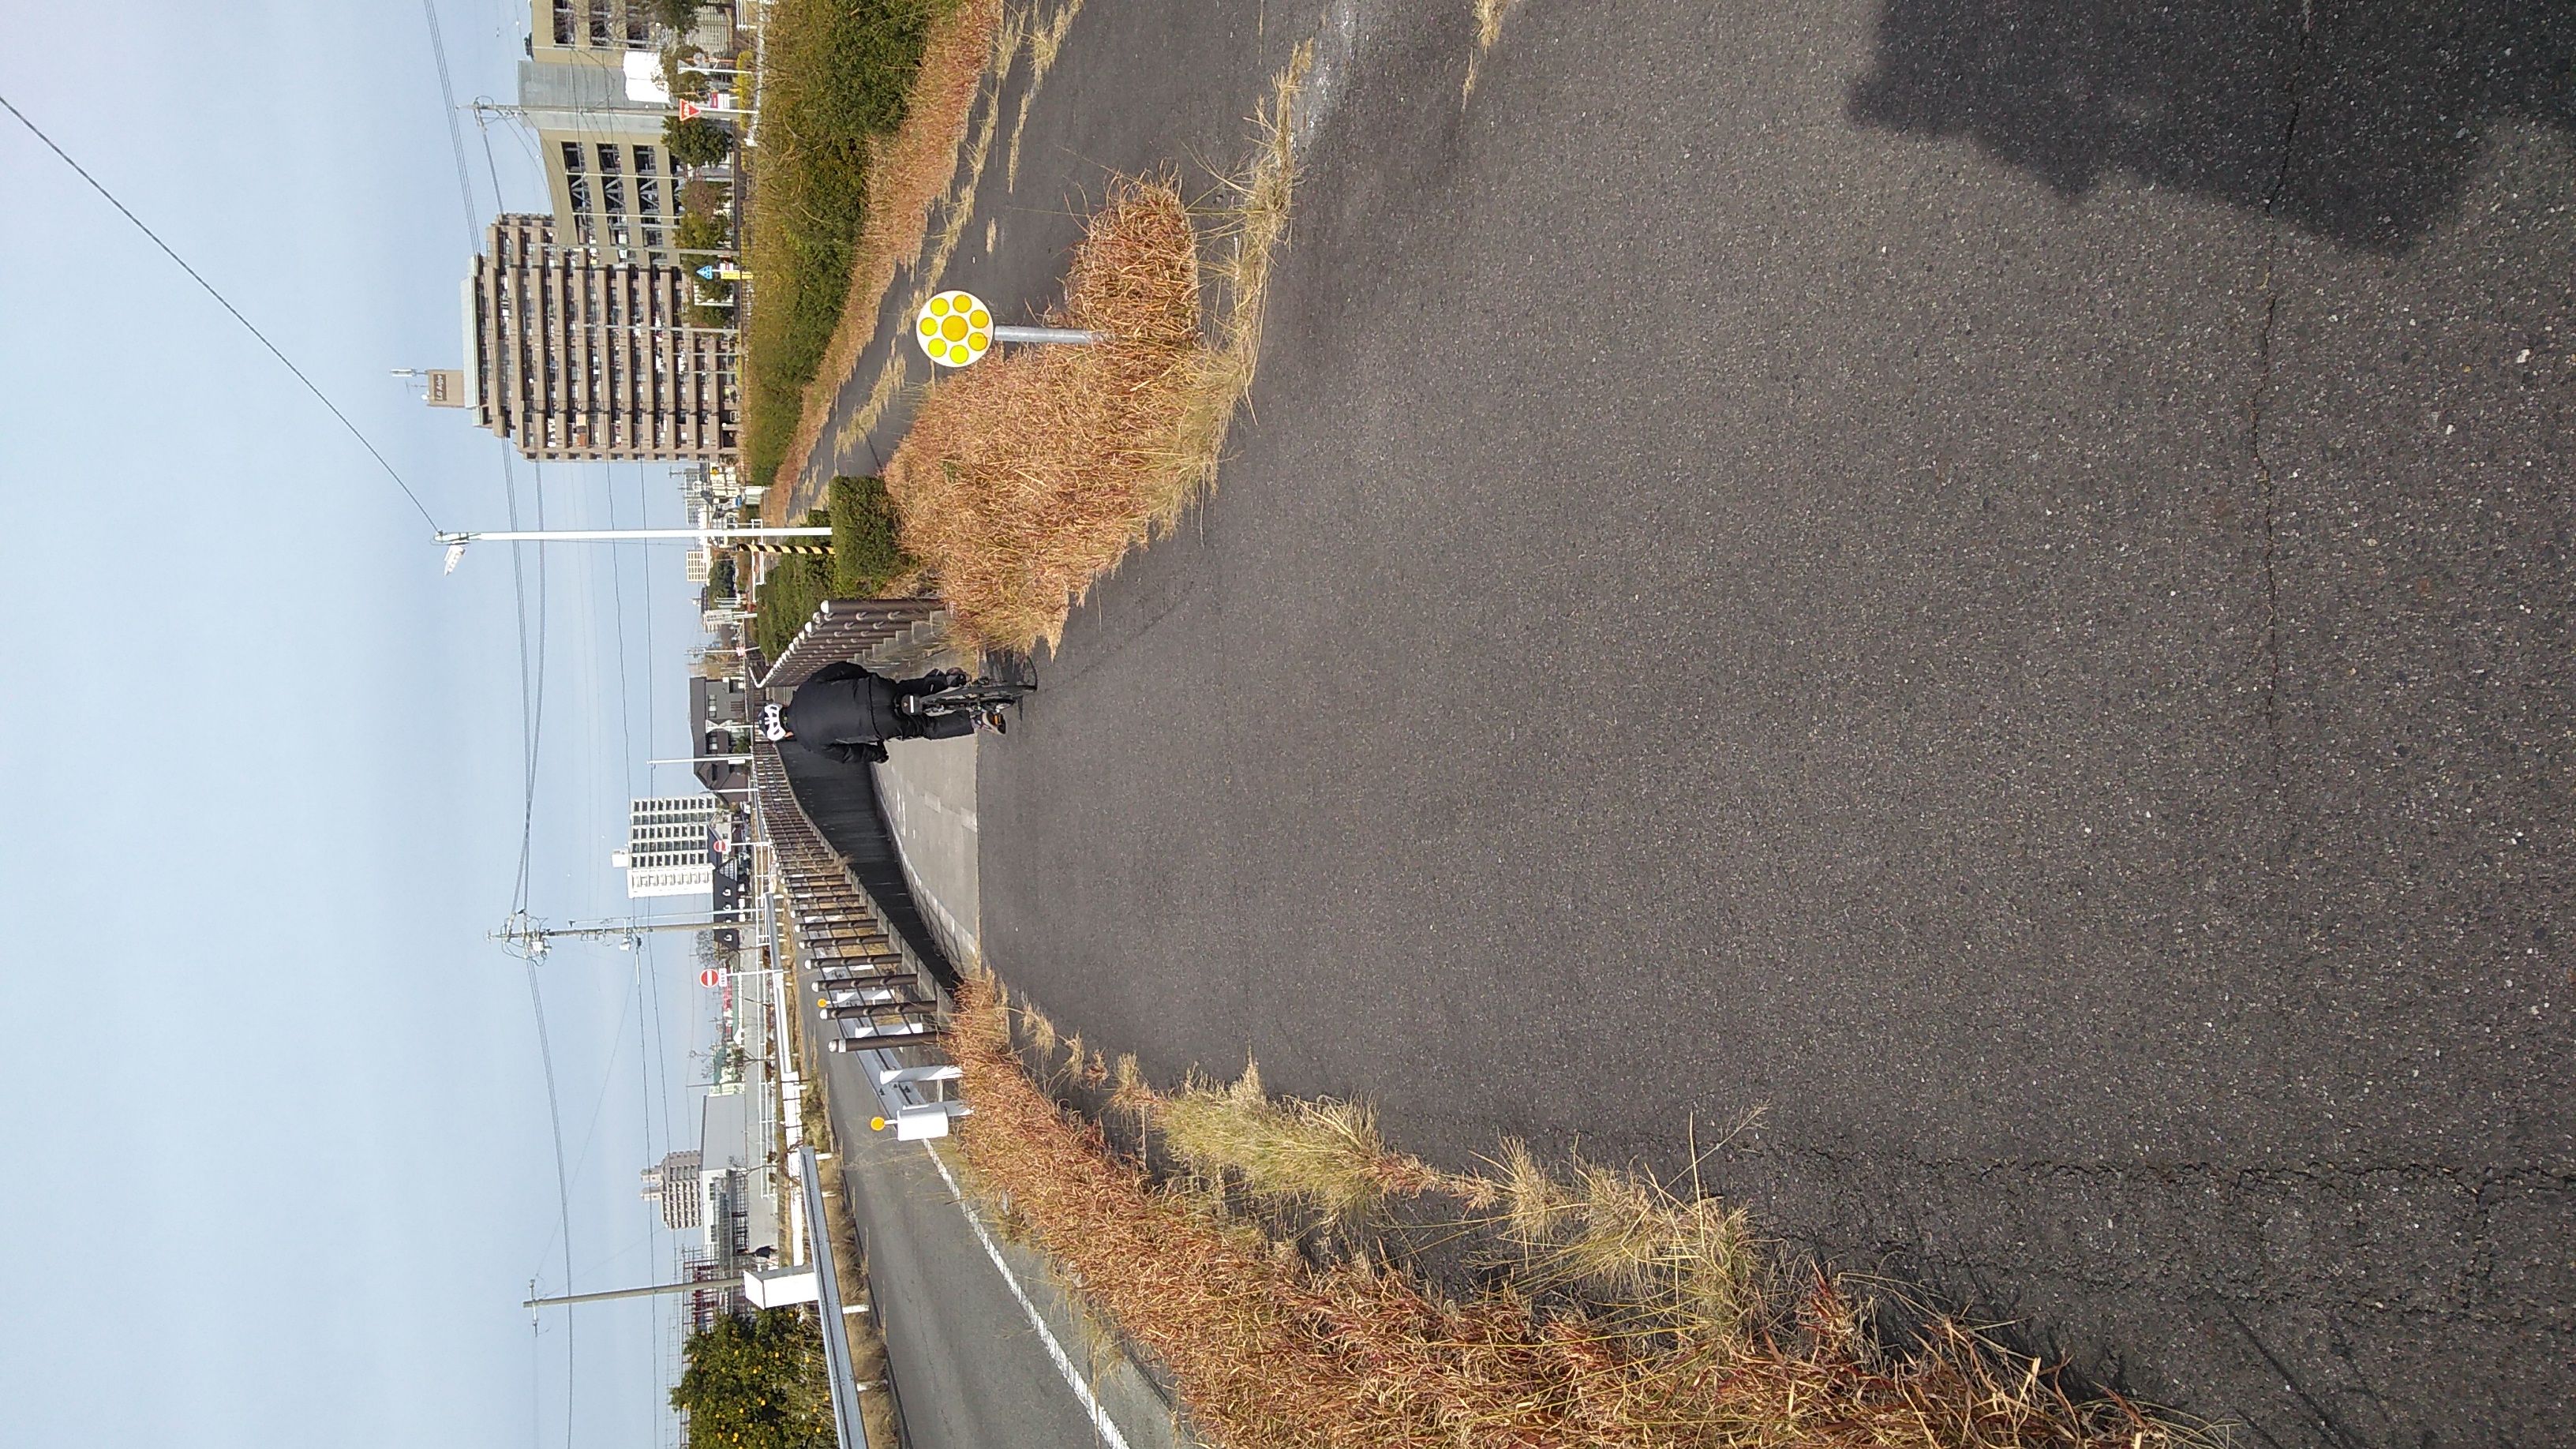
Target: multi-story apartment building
x,y
611,183
561,28
578,356
666,850
672,1185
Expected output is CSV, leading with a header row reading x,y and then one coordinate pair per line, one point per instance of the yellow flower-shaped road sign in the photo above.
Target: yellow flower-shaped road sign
x,y
955,329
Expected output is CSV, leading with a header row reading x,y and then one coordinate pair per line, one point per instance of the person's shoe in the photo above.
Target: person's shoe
x,y
952,678
990,719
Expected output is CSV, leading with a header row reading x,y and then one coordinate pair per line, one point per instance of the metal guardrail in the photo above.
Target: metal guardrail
x,y
874,1000
844,629
847,1422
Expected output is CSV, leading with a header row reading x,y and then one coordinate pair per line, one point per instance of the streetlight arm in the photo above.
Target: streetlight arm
x,y
455,543
575,535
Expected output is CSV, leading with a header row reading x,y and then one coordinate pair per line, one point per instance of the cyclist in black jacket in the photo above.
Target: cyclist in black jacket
x,y
847,714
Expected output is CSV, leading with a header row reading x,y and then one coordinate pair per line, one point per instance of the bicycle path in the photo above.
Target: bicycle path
x,y
1988,584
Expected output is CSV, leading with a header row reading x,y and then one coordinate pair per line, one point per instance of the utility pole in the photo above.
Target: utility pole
x,y
702,1285
524,935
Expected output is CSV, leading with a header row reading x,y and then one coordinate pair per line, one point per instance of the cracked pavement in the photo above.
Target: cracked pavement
x,y
1942,578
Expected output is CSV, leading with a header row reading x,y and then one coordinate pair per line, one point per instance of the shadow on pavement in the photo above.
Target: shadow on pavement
x,y
2383,106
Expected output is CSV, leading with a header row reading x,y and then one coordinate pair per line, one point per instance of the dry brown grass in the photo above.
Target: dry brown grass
x,y
1269,1349
1028,475
1489,28
906,175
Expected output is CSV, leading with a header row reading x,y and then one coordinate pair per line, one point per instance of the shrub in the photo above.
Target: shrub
x,y
788,594
836,78
866,558
696,141
867,550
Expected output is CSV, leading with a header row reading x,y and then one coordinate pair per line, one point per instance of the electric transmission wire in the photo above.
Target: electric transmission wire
x,y
563,1181
455,133
531,679
531,705
247,325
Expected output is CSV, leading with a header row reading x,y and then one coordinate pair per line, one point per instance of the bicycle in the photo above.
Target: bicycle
x,y
975,696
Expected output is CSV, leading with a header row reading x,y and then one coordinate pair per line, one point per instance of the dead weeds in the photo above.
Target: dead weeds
x,y
1027,476
1638,1316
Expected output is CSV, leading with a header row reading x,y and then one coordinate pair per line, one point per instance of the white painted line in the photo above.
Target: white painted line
x,y
1100,1419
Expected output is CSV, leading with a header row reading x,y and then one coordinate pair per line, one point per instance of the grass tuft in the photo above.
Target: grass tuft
x,y
1323,1155
1663,1263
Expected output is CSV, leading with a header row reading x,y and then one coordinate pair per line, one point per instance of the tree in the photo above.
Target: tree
x,y
697,141
756,1383
703,233
680,15
701,197
686,83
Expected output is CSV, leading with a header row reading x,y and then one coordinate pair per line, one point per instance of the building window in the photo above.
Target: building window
x,y
563,22
578,188
648,194
572,155
612,192
644,161
607,158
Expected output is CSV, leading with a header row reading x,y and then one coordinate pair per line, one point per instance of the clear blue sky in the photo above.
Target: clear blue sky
x,y
278,1130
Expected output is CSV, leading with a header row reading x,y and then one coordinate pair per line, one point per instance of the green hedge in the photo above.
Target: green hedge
x,y
836,76
866,558
867,548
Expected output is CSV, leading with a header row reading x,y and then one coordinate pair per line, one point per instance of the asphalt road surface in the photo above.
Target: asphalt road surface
x,y
1988,583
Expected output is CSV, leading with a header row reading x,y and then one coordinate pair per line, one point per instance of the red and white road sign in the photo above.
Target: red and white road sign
x,y
711,977
688,110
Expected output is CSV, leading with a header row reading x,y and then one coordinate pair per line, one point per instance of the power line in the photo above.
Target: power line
x,y
531,707
531,679
455,133
563,1184
193,275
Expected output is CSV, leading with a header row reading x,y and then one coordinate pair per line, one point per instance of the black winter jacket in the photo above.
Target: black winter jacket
x,y
845,713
